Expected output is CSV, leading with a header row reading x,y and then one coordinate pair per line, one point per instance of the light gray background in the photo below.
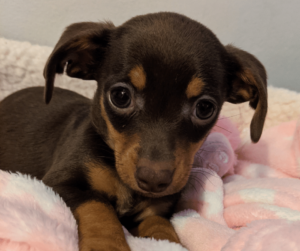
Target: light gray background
x,y
270,29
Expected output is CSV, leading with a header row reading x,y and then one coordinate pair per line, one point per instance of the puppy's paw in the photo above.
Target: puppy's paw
x,y
172,237
104,247
157,228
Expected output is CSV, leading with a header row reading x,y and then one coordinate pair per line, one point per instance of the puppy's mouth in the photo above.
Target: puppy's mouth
x,y
159,175
161,191
153,181
159,178
153,176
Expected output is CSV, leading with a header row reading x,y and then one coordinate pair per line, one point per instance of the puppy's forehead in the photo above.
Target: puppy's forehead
x,y
169,50
168,58
164,91
138,78
168,35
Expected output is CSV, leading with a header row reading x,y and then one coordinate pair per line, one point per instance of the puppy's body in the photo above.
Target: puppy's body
x,y
124,156
34,142
44,149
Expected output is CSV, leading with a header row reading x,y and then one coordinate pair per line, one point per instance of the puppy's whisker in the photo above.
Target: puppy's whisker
x,y
223,128
191,183
198,182
226,117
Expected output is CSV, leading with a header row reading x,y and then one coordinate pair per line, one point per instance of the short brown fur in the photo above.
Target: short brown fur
x,y
102,178
158,228
194,88
184,160
244,93
92,152
97,219
129,146
138,77
150,208
81,44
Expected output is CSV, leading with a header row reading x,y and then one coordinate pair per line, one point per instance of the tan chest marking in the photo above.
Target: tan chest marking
x,y
102,178
105,180
150,208
124,200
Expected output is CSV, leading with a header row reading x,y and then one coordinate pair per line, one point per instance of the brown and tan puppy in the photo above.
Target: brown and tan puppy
x,y
123,157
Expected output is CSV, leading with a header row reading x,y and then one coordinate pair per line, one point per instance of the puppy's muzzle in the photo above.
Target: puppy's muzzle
x,y
152,176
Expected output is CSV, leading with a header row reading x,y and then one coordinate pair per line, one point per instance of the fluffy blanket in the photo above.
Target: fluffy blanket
x,y
34,218
256,206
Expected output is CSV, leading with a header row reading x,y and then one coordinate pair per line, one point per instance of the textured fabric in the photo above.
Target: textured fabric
x,y
255,205
34,218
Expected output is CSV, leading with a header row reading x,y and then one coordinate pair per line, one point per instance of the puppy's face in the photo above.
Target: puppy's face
x,y
162,80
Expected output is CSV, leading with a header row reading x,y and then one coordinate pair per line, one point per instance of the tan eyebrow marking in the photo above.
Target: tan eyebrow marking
x,y
194,88
245,94
138,77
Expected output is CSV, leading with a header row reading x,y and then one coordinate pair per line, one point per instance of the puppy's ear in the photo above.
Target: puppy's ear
x,y
248,83
81,47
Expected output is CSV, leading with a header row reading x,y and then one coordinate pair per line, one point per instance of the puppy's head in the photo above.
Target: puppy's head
x,y
162,80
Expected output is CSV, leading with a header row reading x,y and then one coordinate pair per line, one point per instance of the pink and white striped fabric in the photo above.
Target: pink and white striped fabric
x,y
256,208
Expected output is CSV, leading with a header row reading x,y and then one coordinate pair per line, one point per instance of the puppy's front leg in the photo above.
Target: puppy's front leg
x,y
157,227
99,228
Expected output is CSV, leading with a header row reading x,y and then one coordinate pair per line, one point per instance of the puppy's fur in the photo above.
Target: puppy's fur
x,y
123,157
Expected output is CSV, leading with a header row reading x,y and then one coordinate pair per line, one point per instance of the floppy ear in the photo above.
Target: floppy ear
x,y
249,83
81,47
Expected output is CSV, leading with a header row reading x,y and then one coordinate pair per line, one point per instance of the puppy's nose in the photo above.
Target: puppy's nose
x,y
153,181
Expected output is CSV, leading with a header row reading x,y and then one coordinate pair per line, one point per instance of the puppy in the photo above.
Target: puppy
x,y
123,157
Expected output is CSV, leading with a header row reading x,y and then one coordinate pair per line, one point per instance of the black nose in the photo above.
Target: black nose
x,y
151,180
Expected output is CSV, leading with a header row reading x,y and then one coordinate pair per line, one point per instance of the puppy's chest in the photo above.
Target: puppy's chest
x,y
135,208
127,203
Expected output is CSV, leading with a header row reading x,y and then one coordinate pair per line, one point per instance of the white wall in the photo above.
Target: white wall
x,y
270,29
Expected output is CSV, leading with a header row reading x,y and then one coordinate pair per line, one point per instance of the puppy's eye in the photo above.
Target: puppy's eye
x,y
120,97
204,109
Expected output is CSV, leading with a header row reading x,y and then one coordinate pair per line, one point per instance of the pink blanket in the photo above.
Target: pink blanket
x,y
34,218
254,206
